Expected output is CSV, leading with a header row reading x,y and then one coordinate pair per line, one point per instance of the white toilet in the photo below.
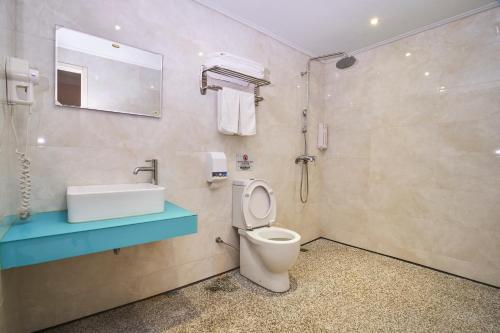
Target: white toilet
x,y
266,252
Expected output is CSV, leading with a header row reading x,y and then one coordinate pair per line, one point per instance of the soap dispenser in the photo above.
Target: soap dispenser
x,y
216,167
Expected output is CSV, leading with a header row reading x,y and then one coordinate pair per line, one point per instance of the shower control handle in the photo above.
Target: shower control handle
x,y
305,159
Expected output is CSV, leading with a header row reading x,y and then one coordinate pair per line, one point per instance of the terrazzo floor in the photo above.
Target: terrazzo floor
x,y
335,288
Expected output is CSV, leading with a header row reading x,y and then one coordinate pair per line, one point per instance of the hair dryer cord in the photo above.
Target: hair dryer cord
x,y
24,173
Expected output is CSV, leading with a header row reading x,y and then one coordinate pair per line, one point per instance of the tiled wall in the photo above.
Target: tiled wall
x,y
411,170
92,147
7,40
7,32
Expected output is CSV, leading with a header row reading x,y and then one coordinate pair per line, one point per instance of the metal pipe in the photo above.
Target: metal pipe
x,y
330,55
221,241
308,73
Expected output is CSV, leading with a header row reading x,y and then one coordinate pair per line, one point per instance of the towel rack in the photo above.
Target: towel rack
x,y
233,74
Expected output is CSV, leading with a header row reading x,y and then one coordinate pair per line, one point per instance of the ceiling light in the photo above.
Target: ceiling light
x,y
374,21
200,54
497,152
117,27
427,73
40,140
407,54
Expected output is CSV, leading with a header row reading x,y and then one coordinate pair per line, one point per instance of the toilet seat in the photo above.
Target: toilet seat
x,y
272,235
258,204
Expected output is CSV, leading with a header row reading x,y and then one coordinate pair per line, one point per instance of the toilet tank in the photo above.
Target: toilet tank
x,y
238,188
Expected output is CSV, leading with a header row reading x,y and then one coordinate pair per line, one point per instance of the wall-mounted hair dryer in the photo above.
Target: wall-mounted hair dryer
x,y
20,80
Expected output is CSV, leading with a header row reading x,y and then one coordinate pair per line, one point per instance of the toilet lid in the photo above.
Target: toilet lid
x,y
259,204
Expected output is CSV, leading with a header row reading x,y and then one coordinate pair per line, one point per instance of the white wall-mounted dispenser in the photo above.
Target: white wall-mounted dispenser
x,y
322,136
20,81
216,166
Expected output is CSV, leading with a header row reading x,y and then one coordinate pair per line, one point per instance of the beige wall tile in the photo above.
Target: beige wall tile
x,y
431,194
7,48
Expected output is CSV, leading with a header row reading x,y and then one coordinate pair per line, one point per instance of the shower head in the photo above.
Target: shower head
x,y
346,62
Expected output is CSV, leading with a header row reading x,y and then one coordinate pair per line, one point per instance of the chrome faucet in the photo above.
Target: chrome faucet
x,y
153,168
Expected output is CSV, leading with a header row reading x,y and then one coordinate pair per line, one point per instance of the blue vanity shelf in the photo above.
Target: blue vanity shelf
x,y
48,236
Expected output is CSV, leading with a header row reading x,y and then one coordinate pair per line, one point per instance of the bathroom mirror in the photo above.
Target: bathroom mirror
x,y
100,74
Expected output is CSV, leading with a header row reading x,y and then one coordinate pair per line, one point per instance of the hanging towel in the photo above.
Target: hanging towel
x,y
247,123
228,111
228,79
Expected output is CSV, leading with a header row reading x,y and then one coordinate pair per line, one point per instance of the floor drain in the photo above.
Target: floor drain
x,y
225,284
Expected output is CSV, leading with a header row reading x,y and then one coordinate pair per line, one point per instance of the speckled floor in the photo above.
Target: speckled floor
x,y
335,288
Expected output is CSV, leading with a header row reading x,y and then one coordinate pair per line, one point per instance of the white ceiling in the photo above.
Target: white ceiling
x,y
318,27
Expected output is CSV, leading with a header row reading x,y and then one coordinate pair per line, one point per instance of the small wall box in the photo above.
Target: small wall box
x,y
216,167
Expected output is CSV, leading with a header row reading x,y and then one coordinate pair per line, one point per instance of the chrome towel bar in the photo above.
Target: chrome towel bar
x,y
233,74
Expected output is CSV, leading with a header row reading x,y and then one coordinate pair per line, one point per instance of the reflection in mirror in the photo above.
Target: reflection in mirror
x,y
95,73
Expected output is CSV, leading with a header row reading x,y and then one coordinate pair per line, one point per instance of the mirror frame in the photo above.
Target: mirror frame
x,y
57,27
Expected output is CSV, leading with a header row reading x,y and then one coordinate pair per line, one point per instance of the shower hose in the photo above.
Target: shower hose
x,y
304,174
304,182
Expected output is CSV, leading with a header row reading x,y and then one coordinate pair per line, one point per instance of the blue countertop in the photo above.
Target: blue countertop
x,y
48,236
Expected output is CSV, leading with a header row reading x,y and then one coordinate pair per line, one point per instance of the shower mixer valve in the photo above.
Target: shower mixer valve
x,y
305,159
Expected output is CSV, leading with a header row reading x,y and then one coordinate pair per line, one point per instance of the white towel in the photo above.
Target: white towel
x,y
228,110
239,64
227,79
247,123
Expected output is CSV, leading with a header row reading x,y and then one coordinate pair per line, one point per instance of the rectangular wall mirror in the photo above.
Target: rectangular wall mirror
x,y
96,73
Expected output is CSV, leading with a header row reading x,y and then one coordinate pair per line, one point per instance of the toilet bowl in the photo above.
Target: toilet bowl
x,y
266,252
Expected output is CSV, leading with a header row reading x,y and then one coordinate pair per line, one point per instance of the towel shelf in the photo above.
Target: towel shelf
x,y
233,74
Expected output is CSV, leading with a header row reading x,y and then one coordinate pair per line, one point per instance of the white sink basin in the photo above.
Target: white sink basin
x,y
99,202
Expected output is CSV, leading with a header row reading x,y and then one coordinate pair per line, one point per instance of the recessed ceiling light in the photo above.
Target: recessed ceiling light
x,y
40,140
200,54
407,54
427,73
374,21
117,27
497,152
